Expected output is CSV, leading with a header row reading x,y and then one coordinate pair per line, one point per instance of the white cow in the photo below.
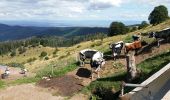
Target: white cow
x,y
96,63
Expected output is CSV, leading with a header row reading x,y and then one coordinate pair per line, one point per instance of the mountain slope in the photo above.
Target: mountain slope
x,y
21,32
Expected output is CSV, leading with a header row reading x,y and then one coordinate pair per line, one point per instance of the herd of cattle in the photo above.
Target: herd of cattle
x,y
97,58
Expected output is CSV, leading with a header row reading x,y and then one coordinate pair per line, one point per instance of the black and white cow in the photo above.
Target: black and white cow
x,y
86,54
97,61
161,35
136,37
116,49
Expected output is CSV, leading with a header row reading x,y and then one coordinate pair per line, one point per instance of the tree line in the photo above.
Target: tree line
x,y
50,41
158,15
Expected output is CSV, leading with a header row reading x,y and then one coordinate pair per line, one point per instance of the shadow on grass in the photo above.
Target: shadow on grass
x,y
117,77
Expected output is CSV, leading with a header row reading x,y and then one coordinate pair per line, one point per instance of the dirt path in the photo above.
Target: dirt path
x,y
27,92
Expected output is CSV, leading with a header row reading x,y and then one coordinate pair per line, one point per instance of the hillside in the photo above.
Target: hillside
x,y
21,32
65,58
63,52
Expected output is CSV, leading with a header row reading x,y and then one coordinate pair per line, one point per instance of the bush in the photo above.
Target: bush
x,y
46,58
13,53
55,51
22,50
43,54
78,46
143,25
13,64
31,59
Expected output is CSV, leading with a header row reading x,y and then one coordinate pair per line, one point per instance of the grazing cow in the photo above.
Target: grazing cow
x,y
96,63
161,35
86,54
132,46
116,49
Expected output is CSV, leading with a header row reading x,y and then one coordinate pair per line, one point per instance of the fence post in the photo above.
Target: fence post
x,y
131,66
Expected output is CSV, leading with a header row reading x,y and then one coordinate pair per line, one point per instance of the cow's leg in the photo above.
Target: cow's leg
x,y
91,74
98,70
98,74
158,44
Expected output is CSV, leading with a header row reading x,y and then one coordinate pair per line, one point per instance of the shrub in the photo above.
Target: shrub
x,y
13,53
143,25
46,58
13,64
78,46
55,51
31,59
22,50
43,54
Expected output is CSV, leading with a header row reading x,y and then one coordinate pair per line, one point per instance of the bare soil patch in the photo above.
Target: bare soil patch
x,y
65,86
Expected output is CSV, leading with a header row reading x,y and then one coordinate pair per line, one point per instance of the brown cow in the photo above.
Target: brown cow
x,y
132,46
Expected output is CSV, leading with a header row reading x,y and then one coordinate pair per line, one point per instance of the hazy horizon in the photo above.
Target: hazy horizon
x,y
80,23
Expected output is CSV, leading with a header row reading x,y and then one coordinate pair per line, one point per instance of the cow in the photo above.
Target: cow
x,y
116,49
160,35
86,54
136,45
136,37
96,62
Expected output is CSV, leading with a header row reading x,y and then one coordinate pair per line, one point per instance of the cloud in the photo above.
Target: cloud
x,y
69,9
103,4
152,2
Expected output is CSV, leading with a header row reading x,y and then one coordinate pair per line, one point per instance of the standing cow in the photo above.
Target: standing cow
x,y
136,45
116,49
96,63
161,35
86,54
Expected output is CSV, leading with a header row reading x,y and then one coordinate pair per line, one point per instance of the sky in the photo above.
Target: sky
x,y
78,11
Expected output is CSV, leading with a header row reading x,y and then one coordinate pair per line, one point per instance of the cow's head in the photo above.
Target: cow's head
x,y
111,45
82,56
151,34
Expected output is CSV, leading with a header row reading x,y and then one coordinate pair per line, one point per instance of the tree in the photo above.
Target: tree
x,y
117,28
158,15
143,25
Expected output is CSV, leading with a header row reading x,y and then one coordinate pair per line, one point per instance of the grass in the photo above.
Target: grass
x,y
2,84
24,80
152,65
56,71
103,87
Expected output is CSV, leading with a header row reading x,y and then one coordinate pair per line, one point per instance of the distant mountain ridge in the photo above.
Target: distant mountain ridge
x,y
8,32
